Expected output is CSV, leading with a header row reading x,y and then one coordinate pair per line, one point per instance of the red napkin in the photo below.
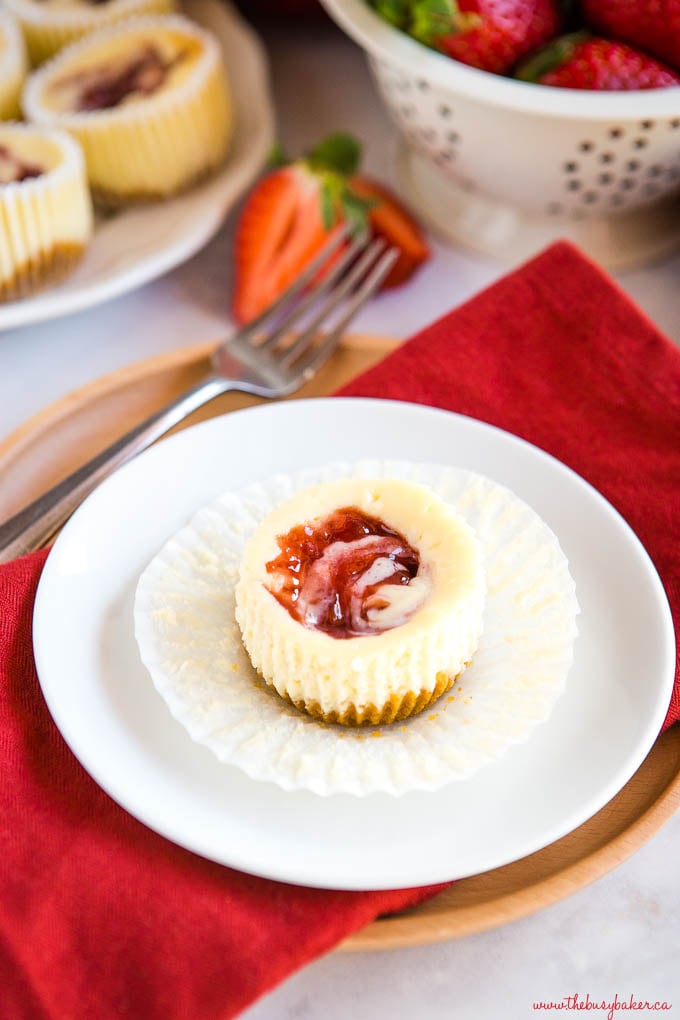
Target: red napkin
x,y
102,918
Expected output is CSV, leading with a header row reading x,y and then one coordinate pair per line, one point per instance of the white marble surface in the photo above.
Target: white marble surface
x,y
619,936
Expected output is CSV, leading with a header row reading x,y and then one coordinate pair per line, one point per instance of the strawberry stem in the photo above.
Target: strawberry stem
x,y
327,206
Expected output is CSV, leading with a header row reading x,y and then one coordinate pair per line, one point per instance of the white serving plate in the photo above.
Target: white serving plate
x,y
105,705
141,243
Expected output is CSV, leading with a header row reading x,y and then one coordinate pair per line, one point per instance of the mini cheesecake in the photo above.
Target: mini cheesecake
x,y
361,601
148,101
49,25
12,66
45,208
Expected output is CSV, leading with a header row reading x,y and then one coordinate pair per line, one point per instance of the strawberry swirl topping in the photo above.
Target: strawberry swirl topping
x,y
349,575
13,169
104,88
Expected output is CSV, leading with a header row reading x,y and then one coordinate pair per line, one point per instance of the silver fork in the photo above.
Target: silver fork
x,y
255,360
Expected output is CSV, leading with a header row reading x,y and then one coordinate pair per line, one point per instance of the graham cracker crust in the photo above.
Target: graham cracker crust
x,y
393,710
48,268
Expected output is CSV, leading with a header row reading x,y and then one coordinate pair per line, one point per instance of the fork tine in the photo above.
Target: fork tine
x,y
355,248
298,284
316,356
345,286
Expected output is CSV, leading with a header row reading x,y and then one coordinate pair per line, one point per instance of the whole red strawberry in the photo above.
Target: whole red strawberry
x,y
653,25
582,61
495,34
290,214
489,34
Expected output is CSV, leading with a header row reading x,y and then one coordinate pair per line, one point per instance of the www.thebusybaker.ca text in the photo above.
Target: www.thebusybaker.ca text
x,y
608,1006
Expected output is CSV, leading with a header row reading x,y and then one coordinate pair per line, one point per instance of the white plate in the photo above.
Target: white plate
x,y
107,709
140,244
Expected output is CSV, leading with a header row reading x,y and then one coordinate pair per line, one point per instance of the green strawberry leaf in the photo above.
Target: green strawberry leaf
x,y
431,19
340,153
554,55
396,12
355,210
428,21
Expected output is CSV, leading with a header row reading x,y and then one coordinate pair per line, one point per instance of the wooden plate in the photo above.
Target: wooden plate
x,y
67,433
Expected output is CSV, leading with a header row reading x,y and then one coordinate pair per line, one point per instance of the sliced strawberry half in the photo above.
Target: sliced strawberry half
x,y
279,232
293,211
388,218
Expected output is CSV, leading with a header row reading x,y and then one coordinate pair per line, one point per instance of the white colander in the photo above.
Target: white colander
x,y
506,166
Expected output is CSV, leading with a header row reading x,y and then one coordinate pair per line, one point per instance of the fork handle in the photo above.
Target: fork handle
x,y
36,524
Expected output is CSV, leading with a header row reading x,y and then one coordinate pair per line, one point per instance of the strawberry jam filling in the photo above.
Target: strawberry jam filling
x,y
13,169
104,88
349,575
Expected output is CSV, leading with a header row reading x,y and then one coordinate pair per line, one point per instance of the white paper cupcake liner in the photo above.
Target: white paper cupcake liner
x,y
191,645
13,65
